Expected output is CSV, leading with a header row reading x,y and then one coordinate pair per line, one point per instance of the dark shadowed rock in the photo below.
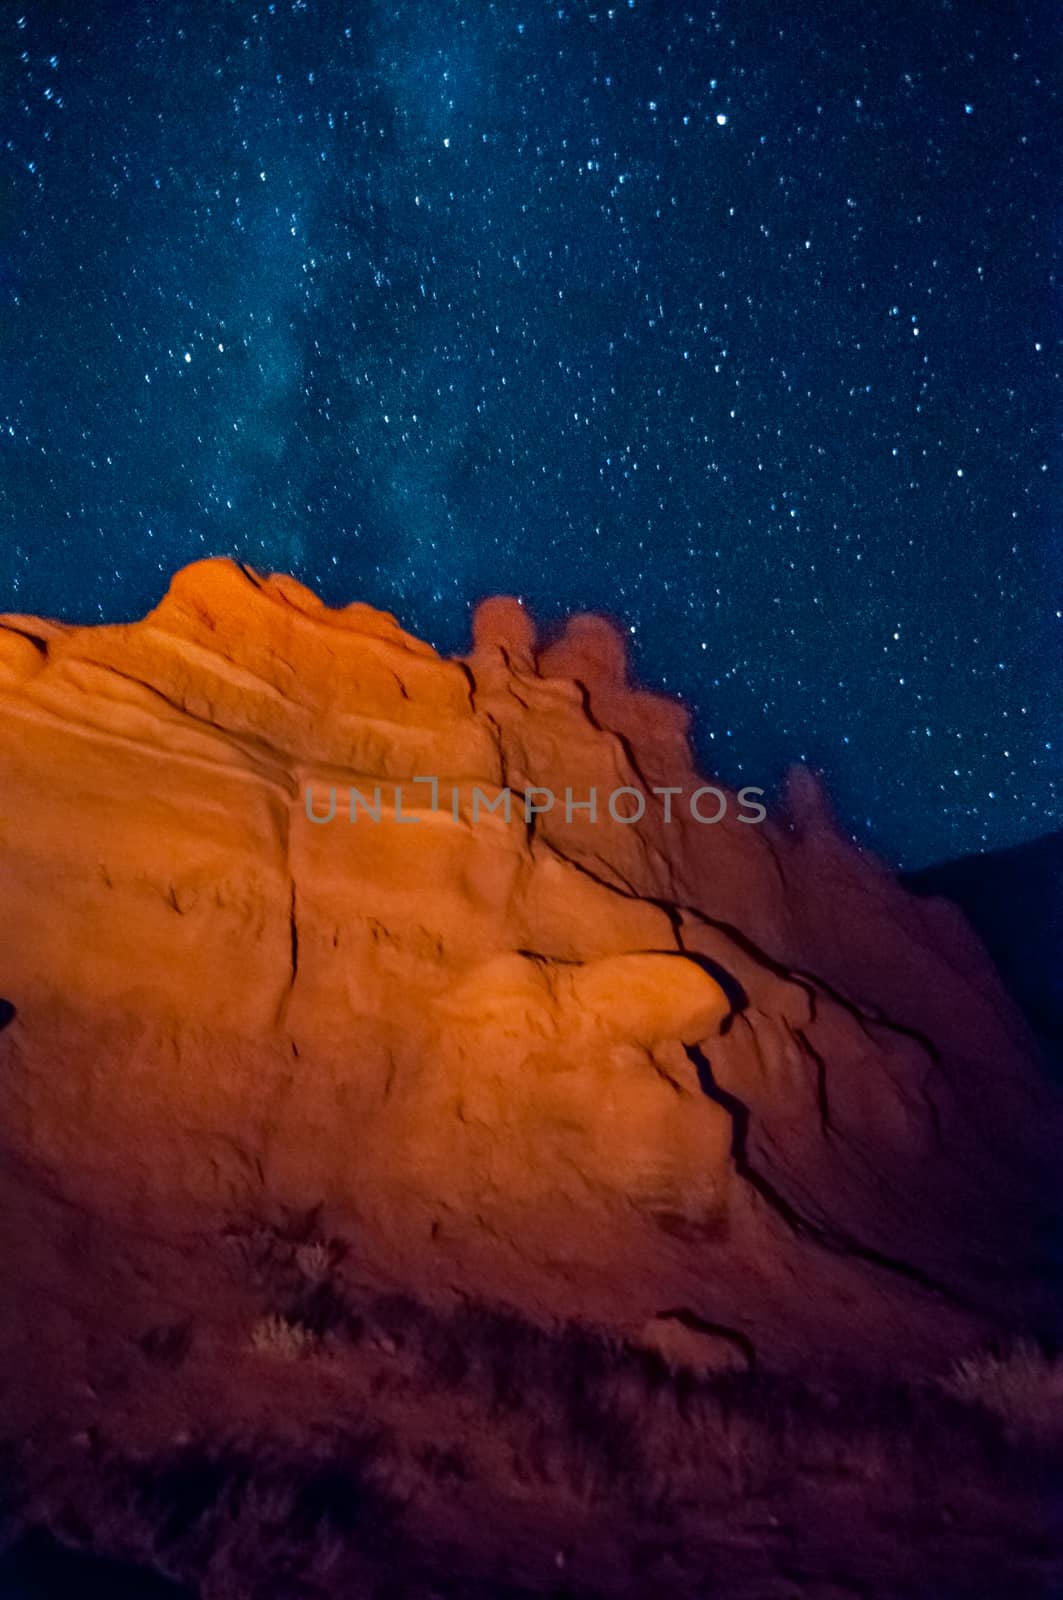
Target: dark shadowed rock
x,y
1014,898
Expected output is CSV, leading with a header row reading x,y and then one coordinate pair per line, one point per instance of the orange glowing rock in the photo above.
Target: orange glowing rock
x,y
587,1067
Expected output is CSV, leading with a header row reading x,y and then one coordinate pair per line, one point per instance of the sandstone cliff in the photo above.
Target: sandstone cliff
x,y
730,1079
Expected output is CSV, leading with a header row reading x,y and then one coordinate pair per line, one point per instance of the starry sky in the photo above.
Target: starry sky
x,y
735,322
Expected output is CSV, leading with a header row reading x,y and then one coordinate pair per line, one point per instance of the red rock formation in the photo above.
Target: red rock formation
x,y
655,1075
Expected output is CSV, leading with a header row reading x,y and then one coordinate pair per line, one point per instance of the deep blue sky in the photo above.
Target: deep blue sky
x,y
734,322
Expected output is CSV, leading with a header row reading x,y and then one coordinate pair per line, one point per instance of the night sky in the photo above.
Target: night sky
x,y
736,323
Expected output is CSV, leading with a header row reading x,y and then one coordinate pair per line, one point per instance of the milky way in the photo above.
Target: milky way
x,y
732,322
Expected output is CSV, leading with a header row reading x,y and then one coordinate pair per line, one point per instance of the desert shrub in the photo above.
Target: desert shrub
x,y
1022,1386
281,1337
252,1520
314,1260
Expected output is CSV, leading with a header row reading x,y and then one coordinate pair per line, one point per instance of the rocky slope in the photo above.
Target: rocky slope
x,y
725,1088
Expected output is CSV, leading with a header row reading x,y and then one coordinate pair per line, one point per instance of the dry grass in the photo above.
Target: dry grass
x,y
484,1417
229,1521
314,1261
1023,1387
283,1338
484,1424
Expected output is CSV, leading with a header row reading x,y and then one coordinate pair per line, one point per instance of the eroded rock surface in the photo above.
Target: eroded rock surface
x,y
730,1083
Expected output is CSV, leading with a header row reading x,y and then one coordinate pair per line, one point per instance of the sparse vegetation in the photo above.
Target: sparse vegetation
x,y
281,1337
314,1260
233,1521
593,1438
478,1421
1023,1387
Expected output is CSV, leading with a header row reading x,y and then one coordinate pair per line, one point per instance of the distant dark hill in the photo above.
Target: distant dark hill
x,y
1014,898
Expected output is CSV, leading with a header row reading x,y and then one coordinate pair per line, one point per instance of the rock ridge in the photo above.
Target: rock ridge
x,y
652,1074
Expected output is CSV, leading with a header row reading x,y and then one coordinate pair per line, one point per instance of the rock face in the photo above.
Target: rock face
x,y
726,1080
